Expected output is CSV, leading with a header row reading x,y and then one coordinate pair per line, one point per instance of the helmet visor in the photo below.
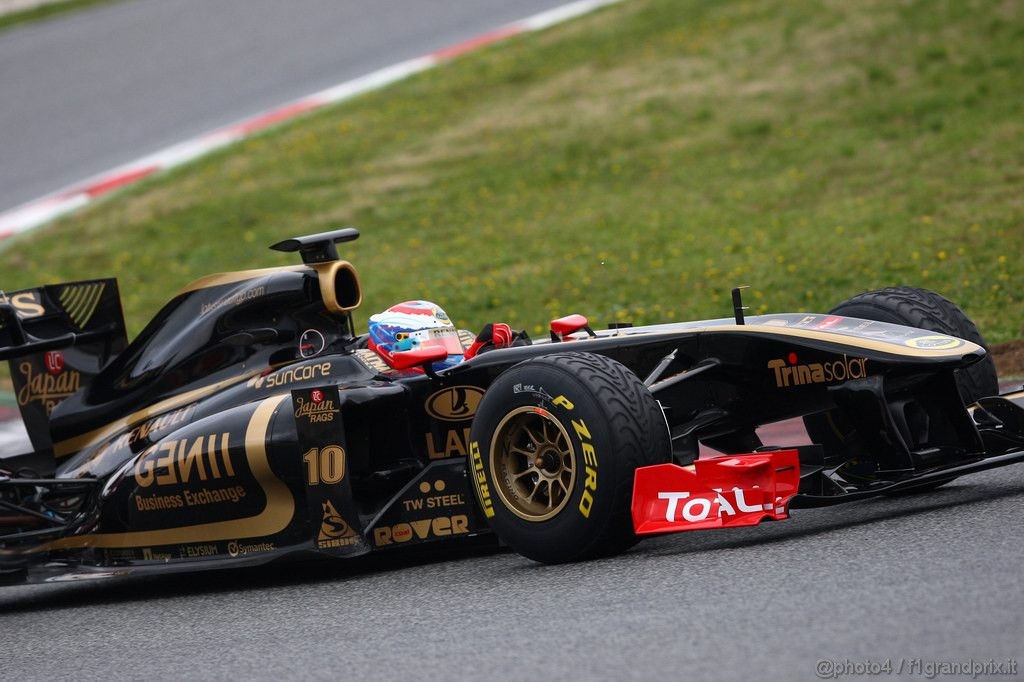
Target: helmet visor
x,y
445,338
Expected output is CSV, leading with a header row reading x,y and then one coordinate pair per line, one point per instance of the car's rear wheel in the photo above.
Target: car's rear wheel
x,y
554,445
911,307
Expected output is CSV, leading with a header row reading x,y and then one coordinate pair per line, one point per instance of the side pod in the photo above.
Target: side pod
x,y
721,492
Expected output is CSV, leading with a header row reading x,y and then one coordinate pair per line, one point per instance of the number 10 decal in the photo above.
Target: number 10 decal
x,y
325,465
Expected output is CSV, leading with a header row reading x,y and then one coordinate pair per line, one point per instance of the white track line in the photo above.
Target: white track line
x,y
35,213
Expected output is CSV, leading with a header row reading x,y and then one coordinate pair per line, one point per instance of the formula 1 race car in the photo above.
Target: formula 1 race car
x,y
249,421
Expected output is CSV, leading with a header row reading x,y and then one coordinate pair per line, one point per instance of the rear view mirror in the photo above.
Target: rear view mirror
x,y
418,356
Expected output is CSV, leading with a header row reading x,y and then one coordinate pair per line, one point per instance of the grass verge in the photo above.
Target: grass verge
x,y
47,11
631,165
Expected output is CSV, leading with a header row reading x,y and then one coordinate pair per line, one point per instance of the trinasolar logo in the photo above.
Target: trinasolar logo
x,y
795,374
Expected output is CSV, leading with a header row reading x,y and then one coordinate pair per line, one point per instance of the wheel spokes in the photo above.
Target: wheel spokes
x,y
537,467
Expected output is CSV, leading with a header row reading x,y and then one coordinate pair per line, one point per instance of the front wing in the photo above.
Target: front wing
x,y
721,492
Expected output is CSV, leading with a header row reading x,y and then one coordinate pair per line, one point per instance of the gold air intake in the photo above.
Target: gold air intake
x,y
339,286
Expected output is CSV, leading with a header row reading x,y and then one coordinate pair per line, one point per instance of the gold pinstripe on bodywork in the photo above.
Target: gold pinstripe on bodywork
x,y
326,274
276,515
70,446
832,338
222,278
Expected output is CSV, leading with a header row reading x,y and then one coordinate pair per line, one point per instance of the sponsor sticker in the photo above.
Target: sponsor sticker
x,y
236,548
333,517
334,530
197,551
421,530
26,304
205,457
434,495
46,388
291,375
454,404
148,431
315,411
234,299
54,362
934,342
791,372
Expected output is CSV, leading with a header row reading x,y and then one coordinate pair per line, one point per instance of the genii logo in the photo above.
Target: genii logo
x,y
454,404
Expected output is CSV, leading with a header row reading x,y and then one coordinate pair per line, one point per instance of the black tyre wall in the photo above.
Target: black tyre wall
x,y
926,309
911,307
601,405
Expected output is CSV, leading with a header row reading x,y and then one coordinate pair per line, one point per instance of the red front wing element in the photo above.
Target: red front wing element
x,y
721,492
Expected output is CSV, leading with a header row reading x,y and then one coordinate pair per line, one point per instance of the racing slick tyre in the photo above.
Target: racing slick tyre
x,y
923,309
553,448
928,310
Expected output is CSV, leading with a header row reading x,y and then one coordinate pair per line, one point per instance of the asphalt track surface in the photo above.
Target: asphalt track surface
x,y
934,577
95,89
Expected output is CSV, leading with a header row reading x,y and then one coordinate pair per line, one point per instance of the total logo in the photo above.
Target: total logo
x,y
697,508
790,372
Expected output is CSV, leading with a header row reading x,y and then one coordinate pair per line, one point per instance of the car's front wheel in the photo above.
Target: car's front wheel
x,y
553,448
911,307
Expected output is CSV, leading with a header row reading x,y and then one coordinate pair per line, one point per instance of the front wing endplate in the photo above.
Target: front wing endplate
x,y
720,492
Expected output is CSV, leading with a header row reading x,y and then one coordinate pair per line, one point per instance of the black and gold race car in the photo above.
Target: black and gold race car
x,y
248,422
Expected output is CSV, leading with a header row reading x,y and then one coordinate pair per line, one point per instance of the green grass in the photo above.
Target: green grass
x,y
47,11
631,165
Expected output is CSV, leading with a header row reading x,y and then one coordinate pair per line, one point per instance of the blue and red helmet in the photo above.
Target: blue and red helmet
x,y
414,324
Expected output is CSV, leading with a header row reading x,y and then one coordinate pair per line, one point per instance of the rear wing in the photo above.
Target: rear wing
x,y
56,338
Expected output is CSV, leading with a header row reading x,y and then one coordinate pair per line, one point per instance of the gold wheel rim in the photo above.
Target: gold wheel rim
x,y
533,463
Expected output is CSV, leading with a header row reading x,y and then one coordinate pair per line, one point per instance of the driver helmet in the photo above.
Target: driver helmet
x,y
411,325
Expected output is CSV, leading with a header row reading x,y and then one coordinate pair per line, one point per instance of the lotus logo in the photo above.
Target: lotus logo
x,y
934,342
454,404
